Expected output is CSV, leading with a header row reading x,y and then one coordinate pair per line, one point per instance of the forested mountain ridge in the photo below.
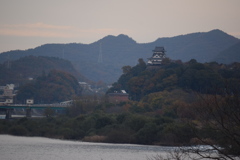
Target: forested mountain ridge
x,y
121,50
26,68
229,55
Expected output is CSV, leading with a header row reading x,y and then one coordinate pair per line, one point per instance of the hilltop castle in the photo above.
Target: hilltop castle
x,y
157,57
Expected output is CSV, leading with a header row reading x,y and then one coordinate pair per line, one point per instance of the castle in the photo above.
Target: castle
x,y
157,57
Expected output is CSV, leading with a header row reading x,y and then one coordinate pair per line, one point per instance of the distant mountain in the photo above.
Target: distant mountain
x,y
30,67
200,46
121,50
229,55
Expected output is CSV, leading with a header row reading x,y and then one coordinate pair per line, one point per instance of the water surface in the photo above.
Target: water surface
x,y
38,148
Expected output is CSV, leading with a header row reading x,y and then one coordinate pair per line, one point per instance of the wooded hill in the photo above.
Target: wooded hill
x,y
25,69
54,87
205,78
121,50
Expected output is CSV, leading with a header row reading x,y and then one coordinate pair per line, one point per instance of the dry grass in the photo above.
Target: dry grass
x,y
95,138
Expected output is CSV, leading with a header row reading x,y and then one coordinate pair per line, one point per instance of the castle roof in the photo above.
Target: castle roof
x,y
159,49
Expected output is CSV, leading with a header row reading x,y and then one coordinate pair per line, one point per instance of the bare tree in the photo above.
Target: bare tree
x,y
176,154
216,125
219,116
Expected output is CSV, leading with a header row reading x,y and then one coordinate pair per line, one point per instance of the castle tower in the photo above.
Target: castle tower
x,y
157,57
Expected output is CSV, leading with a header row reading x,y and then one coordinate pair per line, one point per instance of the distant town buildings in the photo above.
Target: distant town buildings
x,y
85,85
157,57
70,102
7,93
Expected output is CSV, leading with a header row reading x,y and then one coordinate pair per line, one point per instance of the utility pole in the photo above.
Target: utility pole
x,y
8,62
100,59
63,54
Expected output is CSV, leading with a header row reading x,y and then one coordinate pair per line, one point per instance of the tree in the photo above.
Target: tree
x,y
215,123
220,115
48,112
136,85
126,69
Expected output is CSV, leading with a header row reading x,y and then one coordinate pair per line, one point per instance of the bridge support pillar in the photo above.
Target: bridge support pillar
x,y
8,113
28,112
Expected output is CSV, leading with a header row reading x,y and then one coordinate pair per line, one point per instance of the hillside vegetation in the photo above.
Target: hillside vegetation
x,y
141,80
55,87
21,71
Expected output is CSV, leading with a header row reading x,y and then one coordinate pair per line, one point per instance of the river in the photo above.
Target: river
x,y
38,148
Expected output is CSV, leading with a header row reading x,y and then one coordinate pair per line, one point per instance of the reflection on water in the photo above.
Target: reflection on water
x,y
36,148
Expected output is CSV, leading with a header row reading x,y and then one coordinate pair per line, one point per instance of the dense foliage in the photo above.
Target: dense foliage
x,y
142,80
55,87
114,128
30,67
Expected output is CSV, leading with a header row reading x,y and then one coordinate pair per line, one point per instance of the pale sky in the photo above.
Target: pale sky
x,y
27,24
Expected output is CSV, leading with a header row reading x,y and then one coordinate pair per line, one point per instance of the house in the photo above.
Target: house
x,y
85,85
7,93
118,96
8,90
29,101
67,102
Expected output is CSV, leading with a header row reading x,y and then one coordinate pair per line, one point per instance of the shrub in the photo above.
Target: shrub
x,y
18,130
95,138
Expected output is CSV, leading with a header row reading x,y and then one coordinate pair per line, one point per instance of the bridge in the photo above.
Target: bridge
x,y
8,108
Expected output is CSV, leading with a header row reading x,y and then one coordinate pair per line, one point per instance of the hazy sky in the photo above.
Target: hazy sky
x,y
29,23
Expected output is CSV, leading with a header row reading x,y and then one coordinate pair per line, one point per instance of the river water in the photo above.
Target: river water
x,y
38,148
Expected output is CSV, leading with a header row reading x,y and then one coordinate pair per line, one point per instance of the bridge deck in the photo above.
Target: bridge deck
x,y
34,106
